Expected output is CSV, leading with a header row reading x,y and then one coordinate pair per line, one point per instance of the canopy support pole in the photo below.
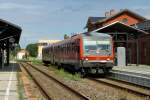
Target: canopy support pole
x,y
7,50
137,52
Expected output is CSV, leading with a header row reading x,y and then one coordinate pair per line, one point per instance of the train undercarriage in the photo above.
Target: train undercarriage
x,y
84,68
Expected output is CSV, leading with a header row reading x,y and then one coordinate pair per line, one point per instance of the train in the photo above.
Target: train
x,y
89,52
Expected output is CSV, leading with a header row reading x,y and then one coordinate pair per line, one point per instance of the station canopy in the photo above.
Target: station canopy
x,y
9,31
118,27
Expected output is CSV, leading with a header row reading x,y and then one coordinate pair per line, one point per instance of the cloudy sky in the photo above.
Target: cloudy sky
x,y
51,19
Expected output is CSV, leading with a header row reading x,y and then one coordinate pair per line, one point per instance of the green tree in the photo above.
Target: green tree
x,y
32,49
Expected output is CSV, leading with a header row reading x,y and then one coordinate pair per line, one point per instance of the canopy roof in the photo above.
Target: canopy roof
x,y
9,31
120,27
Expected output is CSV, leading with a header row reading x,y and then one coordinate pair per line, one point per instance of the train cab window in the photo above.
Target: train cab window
x,y
95,46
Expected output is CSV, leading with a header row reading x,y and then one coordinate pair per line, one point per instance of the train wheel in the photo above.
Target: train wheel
x,y
107,70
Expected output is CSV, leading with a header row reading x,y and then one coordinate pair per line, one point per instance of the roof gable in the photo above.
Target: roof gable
x,y
122,12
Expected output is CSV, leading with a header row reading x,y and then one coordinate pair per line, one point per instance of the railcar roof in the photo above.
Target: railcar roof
x,y
63,41
93,34
69,39
97,34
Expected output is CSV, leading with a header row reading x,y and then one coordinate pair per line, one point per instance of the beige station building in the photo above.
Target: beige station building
x,y
22,54
42,43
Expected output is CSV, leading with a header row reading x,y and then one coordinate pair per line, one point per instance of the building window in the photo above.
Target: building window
x,y
125,20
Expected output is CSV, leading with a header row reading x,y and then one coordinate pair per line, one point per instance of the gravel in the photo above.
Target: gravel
x,y
94,90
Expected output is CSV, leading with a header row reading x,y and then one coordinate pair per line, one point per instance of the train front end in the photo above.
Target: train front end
x,y
97,54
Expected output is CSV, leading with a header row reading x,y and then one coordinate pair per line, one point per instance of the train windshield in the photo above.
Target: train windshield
x,y
95,46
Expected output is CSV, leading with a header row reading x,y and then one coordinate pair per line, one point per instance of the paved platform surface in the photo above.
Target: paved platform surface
x,y
8,82
141,69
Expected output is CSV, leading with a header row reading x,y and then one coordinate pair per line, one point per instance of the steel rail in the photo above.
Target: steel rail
x,y
46,95
61,84
121,85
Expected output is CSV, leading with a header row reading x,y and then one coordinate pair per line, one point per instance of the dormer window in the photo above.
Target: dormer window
x,y
125,20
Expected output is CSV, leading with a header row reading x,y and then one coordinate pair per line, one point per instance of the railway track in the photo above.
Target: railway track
x,y
44,80
122,85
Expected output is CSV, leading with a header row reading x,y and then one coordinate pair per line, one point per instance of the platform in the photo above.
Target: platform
x,y
9,83
141,69
139,75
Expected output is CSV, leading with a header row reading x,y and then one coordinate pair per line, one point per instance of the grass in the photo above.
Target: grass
x,y
33,60
20,87
36,61
67,75
60,72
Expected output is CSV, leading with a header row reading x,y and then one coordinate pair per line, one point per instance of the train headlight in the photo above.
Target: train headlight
x,y
86,59
108,58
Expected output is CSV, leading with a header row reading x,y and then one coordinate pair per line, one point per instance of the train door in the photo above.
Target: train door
x,y
77,53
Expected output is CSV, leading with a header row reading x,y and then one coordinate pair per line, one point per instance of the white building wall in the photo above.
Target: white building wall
x,y
43,43
20,55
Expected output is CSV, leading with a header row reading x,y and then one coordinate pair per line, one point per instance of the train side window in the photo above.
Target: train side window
x,y
68,48
65,49
78,50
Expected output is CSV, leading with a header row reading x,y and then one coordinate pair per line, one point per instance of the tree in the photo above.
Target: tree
x,y
32,49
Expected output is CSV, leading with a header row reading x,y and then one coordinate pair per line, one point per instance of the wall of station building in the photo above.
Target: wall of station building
x,y
124,18
143,56
42,43
144,49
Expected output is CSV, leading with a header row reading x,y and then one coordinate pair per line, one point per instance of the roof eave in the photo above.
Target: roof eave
x,y
122,24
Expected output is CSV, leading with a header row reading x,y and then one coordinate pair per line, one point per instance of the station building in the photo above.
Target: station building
x,y
42,43
129,30
22,54
9,37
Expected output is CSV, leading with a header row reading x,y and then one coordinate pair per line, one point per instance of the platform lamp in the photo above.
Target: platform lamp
x,y
11,40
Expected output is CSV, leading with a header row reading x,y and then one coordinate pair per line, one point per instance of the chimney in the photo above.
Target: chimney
x,y
112,12
107,14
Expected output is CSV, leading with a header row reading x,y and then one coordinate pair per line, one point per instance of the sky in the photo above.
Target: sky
x,y
51,19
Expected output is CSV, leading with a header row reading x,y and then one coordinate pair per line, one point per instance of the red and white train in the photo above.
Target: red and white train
x,y
89,52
